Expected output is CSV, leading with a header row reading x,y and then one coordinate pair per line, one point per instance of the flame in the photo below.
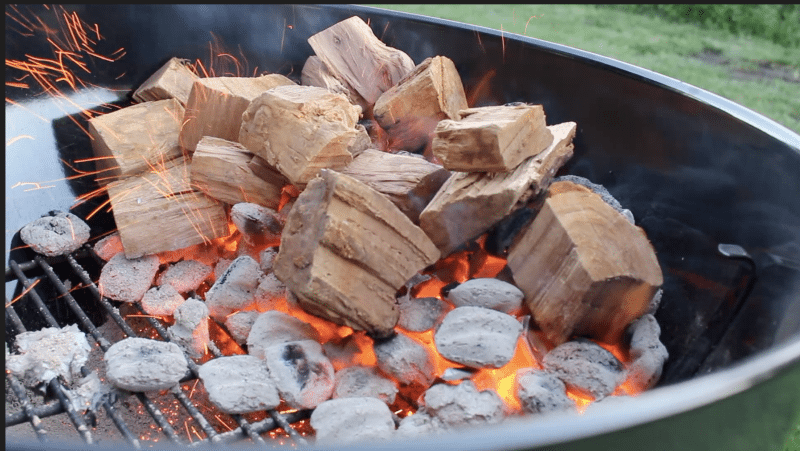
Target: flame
x,y
582,400
502,379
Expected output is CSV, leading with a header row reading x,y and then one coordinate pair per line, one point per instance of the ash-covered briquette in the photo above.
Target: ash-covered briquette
x,y
478,337
463,405
140,364
418,424
57,233
239,325
349,420
185,275
190,330
489,293
457,374
239,384
235,289
541,392
599,190
362,381
646,351
343,352
266,258
586,367
127,280
48,353
257,220
109,246
269,292
655,302
303,375
420,314
161,301
273,327
405,360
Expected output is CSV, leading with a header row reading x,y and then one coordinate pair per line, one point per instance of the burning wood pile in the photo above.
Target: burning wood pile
x,y
337,231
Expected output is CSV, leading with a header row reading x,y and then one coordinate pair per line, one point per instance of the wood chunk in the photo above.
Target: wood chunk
x,y
159,211
470,203
410,182
492,138
172,81
300,130
354,54
430,93
316,73
128,141
216,104
345,251
584,269
228,172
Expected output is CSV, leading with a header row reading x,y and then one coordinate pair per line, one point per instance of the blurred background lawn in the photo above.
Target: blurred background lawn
x,y
747,53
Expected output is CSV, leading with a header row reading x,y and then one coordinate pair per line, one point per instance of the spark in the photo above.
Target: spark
x,y
503,42
17,138
17,85
36,185
526,24
283,35
24,292
480,43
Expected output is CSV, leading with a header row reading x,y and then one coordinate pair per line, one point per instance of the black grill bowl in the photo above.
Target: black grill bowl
x,y
695,169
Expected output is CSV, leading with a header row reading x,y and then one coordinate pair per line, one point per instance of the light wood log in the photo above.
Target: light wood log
x,y
470,203
300,130
130,140
172,81
585,270
216,104
410,182
228,172
159,211
492,138
430,93
346,250
316,73
354,54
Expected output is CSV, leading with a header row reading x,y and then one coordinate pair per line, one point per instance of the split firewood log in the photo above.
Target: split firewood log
x,y
300,130
159,211
407,180
130,140
316,73
584,268
430,93
470,203
172,81
228,172
216,104
346,250
492,138
355,55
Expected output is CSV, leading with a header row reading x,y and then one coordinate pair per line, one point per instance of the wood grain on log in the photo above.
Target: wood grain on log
x,y
172,81
346,250
584,269
316,73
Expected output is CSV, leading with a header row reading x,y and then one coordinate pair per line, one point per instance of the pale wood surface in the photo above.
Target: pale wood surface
x,y
346,250
470,203
316,73
354,54
228,172
159,211
216,104
585,270
173,80
300,130
492,138
130,140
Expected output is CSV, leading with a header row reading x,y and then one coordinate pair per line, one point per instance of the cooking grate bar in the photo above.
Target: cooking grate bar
x,y
43,411
29,413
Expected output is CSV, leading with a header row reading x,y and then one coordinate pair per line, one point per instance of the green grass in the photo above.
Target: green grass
x,y
657,43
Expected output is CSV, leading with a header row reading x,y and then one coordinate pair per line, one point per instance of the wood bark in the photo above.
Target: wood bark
x,y
346,250
216,104
470,203
159,211
585,270
129,141
228,172
354,54
410,182
492,138
172,81
430,93
300,130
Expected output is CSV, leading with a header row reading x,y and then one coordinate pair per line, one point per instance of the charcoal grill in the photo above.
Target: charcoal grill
x,y
701,174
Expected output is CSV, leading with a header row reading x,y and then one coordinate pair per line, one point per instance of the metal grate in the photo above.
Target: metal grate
x,y
35,300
